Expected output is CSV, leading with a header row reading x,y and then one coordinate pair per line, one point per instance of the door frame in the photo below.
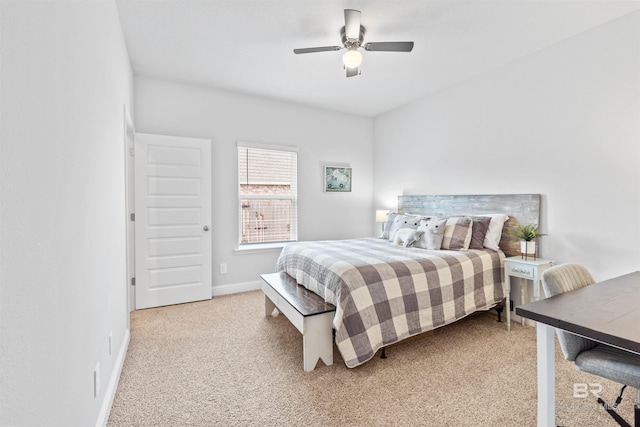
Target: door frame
x,y
129,138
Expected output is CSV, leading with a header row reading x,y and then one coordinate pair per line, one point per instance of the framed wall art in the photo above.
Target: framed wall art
x,y
337,179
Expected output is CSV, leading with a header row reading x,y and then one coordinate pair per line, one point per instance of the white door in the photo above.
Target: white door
x,y
173,217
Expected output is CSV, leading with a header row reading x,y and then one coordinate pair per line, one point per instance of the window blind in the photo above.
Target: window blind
x,y
268,194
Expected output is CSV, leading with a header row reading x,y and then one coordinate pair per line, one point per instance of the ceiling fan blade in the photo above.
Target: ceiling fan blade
x,y
389,46
351,72
317,49
352,23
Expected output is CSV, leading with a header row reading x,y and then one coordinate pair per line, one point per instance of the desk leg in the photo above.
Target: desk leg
x,y
507,284
546,375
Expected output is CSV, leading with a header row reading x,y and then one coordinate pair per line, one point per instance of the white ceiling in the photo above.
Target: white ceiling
x,y
247,46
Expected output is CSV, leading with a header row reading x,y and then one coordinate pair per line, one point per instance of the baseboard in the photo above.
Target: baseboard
x,y
110,392
235,288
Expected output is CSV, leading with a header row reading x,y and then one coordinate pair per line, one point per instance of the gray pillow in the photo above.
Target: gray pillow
x,y
457,233
433,234
387,225
478,231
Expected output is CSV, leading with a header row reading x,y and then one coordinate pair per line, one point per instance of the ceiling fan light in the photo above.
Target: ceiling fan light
x,y
352,58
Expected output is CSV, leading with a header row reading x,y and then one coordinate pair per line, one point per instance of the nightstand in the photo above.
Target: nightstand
x,y
530,269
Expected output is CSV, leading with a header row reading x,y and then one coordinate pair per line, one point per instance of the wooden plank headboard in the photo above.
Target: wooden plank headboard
x,y
521,208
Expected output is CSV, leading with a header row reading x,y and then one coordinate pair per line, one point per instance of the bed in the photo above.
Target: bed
x,y
385,292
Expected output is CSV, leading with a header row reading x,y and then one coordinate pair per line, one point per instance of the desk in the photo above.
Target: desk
x,y
607,312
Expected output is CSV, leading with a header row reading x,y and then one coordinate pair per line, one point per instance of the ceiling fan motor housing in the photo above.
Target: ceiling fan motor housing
x,y
347,42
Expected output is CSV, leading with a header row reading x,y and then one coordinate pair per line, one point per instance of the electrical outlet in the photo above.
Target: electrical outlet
x,y
96,380
223,268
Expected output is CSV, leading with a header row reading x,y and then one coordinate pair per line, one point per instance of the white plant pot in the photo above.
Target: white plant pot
x,y
528,248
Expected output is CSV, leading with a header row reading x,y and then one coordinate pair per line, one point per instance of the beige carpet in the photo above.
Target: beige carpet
x,y
222,362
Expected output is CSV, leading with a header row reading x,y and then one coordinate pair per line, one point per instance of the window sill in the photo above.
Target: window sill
x,y
259,248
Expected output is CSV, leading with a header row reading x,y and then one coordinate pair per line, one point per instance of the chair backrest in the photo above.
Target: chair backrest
x,y
565,278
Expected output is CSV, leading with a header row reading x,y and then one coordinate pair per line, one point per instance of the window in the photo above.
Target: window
x,y
268,193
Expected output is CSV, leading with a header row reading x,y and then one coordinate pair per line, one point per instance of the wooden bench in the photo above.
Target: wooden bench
x,y
306,311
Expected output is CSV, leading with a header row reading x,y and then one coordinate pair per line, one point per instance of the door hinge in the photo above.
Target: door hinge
x,y
131,152
133,217
133,281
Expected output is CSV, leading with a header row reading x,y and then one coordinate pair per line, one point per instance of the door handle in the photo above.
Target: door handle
x,y
205,228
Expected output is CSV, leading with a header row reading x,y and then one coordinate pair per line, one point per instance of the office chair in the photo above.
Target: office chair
x,y
590,356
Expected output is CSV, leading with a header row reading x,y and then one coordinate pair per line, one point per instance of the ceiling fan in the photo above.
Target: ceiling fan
x,y
352,36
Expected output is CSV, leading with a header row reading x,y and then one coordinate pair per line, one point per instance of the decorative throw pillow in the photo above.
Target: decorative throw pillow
x,y
494,232
403,221
387,225
433,230
479,231
457,233
407,236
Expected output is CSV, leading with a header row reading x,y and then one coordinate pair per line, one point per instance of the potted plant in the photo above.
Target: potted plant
x,y
527,235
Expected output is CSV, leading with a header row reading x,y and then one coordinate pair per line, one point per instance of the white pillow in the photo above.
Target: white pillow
x,y
494,232
433,234
407,236
403,221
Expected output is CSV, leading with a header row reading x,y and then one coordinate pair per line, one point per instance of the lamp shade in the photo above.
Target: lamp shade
x,y
381,215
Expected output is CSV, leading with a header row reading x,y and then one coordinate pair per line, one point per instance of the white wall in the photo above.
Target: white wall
x,y
563,122
65,76
170,108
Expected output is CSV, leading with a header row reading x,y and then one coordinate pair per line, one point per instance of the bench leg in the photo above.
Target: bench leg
x,y
269,306
317,340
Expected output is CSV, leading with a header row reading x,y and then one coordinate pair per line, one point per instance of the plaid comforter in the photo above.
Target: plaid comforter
x,y
384,293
